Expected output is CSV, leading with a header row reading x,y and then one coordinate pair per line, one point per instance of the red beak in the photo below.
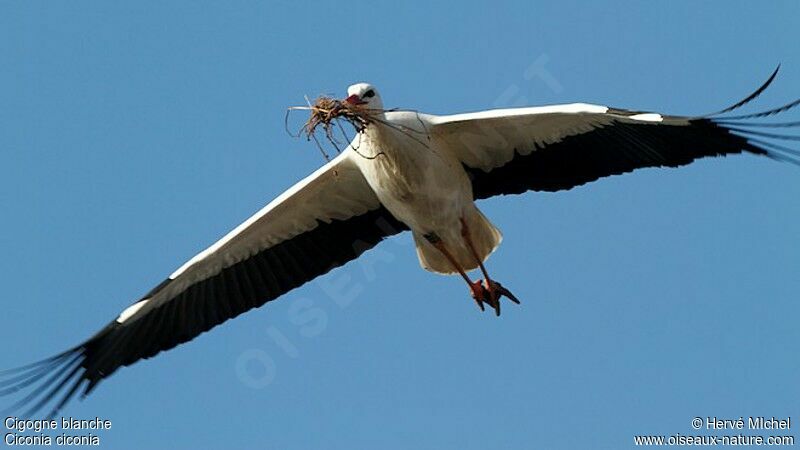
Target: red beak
x,y
354,100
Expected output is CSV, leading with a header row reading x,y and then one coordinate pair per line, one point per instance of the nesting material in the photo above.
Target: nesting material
x,y
325,112
326,109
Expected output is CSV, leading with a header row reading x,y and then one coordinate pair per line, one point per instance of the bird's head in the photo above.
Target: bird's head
x,y
364,94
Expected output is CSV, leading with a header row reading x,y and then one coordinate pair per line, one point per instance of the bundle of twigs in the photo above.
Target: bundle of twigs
x,y
325,111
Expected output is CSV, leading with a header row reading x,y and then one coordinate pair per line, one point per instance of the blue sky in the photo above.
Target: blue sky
x,y
134,135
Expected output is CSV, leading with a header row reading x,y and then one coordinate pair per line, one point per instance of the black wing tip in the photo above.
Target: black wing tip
x,y
55,380
765,143
43,381
750,97
734,120
746,126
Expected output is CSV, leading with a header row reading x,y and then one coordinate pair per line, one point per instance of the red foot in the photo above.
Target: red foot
x,y
490,293
479,293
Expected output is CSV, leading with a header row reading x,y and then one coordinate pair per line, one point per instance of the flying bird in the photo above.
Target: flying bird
x,y
403,171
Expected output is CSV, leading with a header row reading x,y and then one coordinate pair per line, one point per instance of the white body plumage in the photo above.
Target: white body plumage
x,y
423,184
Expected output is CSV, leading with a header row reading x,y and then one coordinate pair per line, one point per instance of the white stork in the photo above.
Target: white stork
x,y
403,171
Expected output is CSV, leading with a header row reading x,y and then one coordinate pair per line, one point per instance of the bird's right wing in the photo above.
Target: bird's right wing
x,y
322,222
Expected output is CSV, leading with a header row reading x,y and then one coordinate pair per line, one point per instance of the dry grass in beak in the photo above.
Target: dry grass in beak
x,y
324,112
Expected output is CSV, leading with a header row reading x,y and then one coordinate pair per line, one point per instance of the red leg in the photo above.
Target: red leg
x,y
475,288
494,289
466,235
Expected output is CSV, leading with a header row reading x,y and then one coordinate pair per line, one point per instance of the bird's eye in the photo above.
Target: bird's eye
x,y
370,93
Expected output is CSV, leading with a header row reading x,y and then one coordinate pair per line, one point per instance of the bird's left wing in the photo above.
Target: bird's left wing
x,y
322,222
552,148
